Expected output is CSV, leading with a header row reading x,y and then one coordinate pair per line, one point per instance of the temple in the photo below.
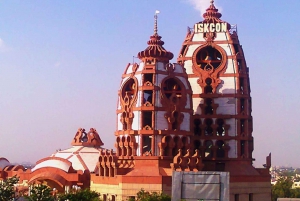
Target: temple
x,y
189,116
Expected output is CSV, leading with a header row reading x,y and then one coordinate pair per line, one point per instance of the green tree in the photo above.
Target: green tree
x,y
40,193
7,189
282,188
81,195
143,195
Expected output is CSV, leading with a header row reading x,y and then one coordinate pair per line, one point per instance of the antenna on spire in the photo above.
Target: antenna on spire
x,y
155,22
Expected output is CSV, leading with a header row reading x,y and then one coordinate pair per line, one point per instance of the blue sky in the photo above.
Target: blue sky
x,y
61,64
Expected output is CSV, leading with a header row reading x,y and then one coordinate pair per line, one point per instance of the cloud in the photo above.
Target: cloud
x,y
3,46
201,5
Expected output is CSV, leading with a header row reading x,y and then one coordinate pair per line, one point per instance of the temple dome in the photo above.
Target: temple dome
x,y
156,50
83,155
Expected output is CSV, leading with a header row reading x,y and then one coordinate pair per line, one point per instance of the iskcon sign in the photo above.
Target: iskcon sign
x,y
210,27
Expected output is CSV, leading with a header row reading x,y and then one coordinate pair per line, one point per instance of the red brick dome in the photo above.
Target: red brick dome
x,y
156,50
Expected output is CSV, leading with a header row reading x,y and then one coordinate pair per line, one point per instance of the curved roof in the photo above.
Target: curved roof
x,y
4,162
76,157
83,155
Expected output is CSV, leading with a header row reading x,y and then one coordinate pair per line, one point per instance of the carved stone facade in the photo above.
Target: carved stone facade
x,y
192,115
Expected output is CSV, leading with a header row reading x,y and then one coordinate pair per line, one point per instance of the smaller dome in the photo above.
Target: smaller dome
x,y
156,50
155,47
212,15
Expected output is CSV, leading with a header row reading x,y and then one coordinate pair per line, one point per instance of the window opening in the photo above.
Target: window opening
x,y
171,86
220,150
197,128
129,89
147,144
236,197
148,78
242,125
251,197
148,96
242,104
220,128
208,128
242,147
147,118
208,58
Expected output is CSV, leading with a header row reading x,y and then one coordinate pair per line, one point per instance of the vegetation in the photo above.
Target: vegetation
x,y
283,189
44,193
143,195
40,193
7,188
80,195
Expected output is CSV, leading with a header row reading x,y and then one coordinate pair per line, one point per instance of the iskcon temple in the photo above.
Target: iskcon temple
x,y
190,116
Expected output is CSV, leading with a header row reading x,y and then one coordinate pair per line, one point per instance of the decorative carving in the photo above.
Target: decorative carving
x,y
170,68
187,162
128,98
173,98
126,146
87,139
209,61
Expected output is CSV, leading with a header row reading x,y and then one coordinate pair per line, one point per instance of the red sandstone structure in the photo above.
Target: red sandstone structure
x,y
194,115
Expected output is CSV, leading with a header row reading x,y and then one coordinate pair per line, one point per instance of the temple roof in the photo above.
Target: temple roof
x,y
212,15
155,47
83,155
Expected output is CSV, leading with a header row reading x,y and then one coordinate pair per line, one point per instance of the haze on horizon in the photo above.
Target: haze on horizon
x,y
61,64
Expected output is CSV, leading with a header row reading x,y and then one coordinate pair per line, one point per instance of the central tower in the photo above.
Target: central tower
x,y
221,123
218,74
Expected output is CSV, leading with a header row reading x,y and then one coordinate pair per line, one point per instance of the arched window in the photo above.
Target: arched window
x,y
197,128
129,89
220,150
172,87
220,128
208,127
208,58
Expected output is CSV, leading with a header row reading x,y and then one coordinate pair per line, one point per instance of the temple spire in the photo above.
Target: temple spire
x,y
155,22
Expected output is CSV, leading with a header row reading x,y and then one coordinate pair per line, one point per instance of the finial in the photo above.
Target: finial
x,y
212,2
155,22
